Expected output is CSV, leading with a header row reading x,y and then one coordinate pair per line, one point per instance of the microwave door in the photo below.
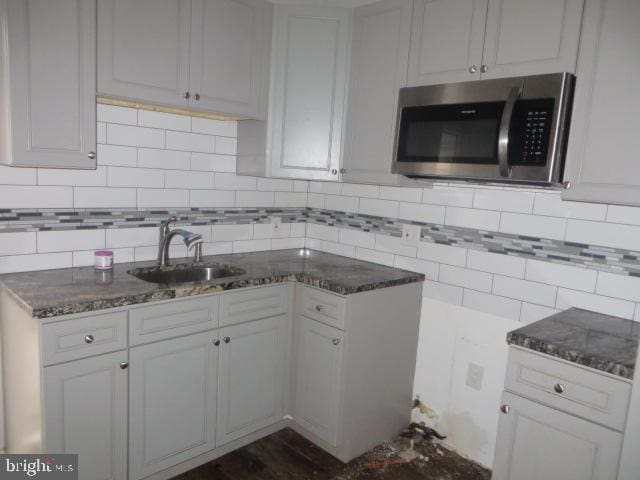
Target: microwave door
x,y
503,137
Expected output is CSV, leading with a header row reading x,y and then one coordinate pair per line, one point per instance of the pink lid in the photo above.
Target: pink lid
x,y
103,253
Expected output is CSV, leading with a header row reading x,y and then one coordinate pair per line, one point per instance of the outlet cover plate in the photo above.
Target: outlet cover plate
x,y
276,225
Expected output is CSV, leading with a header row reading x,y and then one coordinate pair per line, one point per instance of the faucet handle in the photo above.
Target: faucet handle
x,y
170,220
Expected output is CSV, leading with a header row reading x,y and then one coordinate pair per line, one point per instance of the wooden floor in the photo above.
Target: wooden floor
x,y
285,455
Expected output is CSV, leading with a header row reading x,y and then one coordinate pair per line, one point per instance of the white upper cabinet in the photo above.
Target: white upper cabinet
x,y
462,40
308,91
379,57
446,41
143,50
199,54
531,38
602,163
47,83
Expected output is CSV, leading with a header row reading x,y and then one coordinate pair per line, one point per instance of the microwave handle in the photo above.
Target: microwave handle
x,y
503,135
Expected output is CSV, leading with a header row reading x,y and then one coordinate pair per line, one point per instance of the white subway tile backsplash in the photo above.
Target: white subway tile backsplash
x,y
85,258
254,199
298,229
503,200
550,204
135,177
317,200
533,225
57,176
274,185
463,277
212,198
612,235
623,214
531,312
290,199
104,197
189,180
135,136
496,263
533,292
443,292
169,121
360,190
284,243
29,196
493,304
176,250
402,194
618,286
251,245
231,181
472,218
322,232
131,237
357,238
101,132
338,203
430,269
375,256
448,196
117,155
35,261
217,248
228,233
190,142
395,245
330,188
158,197
16,243
421,212
442,253
114,114
265,230
17,176
611,306
379,208
338,249
167,159
214,127
226,146
301,186
70,240
213,162
561,275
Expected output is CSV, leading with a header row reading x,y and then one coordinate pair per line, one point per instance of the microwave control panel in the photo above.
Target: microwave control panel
x,y
530,132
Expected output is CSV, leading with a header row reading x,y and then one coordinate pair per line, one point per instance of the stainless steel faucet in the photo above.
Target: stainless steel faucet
x,y
190,239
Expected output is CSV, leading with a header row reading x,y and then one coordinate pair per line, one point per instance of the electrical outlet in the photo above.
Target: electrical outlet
x,y
411,234
276,225
475,375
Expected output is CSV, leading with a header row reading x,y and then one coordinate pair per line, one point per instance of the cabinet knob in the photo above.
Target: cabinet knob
x,y
566,185
88,339
186,95
335,341
197,96
226,339
473,69
124,365
91,155
343,170
559,388
504,408
319,308
216,342
334,171
484,69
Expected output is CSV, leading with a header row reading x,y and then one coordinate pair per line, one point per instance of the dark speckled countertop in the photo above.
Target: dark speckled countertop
x,y
50,293
602,342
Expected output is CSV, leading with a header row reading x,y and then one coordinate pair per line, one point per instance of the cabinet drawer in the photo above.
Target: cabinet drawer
x,y
582,392
173,319
83,337
245,305
324,307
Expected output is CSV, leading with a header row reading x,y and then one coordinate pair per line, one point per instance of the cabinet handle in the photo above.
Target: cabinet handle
x,y
88,339
91,155
473,69
484,69
319,308
566,185
216,342
197,96
124,365
559,388
505,408
226,339
186,95
335,341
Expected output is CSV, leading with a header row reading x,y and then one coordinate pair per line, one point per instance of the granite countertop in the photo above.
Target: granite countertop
x,y
602,342
50,293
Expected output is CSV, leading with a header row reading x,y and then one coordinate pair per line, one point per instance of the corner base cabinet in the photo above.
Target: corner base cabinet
x,y
153,390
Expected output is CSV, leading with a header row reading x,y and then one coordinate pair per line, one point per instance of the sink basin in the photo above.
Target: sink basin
x,y
185,273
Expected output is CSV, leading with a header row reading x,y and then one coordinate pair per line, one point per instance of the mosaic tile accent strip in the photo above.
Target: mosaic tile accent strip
x,y
615,260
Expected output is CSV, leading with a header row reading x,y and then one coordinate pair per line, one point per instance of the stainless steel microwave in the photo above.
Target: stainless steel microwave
x,y
510,129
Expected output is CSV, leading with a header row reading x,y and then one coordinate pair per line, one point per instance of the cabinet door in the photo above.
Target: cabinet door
x,y
535,442
251,381
308,91
172,402
319,379
85,412
229,42
379,56
446,41
525,37
143,50
52,83
602,161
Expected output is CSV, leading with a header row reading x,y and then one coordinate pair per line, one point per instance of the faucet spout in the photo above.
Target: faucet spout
x,y
190,239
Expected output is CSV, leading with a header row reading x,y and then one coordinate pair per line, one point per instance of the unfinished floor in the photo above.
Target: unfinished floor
x,y
286,455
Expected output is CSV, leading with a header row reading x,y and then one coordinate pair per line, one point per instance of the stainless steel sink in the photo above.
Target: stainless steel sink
x,y
185,273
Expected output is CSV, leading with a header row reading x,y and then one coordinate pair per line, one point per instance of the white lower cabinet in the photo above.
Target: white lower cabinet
x,y
538,442
251,378
319,379
172,406
85,412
